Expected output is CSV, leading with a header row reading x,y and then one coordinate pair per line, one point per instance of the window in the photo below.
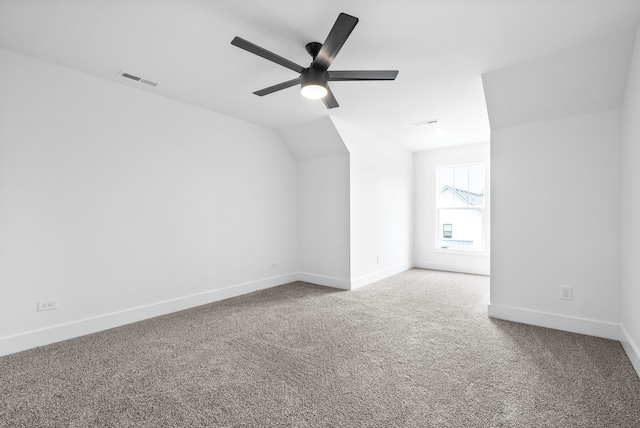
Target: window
x,y
447,231
460,207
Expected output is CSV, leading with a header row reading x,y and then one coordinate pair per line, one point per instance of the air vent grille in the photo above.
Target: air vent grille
x,y
138,79
426,122
130,76
148,82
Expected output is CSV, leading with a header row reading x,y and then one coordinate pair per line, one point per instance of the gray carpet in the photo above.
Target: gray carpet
x,y
415,350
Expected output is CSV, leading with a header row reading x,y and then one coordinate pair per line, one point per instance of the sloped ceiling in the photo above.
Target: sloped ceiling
x,y
441,48
581,80
314,139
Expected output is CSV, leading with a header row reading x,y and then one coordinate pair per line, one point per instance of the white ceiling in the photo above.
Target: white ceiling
x,y
441,48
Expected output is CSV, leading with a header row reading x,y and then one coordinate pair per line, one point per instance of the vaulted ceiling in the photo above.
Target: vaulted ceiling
x,y
441,48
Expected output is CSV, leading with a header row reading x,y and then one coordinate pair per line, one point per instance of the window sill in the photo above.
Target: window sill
x,y
456,251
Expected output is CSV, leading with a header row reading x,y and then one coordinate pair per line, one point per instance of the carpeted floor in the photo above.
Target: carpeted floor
x,y
414,350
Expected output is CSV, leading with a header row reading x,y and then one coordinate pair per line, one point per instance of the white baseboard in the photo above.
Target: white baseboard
x,y
379,275
57,333
327,281
452,267
632,350
590,327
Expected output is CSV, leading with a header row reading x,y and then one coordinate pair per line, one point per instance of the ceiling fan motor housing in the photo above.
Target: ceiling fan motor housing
x,y
311,76
314,83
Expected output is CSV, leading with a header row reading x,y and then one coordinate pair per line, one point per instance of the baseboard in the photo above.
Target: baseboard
x,y
632,350
452,267
57,333
590,327
379,275
327,281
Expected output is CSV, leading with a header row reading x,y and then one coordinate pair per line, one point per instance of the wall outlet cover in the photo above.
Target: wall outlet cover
x,y
566,293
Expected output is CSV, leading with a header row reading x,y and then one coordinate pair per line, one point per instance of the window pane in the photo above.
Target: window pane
x,y
476,185
446,187
464,228
461,184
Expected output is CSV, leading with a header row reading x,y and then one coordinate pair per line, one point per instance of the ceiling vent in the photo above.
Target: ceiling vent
x,y
138,79
426,122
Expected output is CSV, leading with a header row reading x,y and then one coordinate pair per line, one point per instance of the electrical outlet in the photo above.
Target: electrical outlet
x,y
378,260
47,305
566,293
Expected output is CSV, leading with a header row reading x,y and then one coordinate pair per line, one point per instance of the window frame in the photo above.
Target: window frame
x,y
439,235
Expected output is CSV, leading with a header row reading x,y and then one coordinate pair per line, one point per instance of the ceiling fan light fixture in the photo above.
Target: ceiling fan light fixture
x,y
314,84
314,91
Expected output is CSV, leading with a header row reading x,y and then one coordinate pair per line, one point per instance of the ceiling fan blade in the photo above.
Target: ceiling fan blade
x,y
255,49
337,36
278,87
362,75
329,100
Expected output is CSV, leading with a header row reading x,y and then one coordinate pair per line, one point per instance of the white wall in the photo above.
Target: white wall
x,y
355,204
125,205
323,202
323,209
555,166
427,255
555,222
381,181
630,204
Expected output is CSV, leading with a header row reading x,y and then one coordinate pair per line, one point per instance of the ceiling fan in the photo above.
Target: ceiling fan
x,y
314,79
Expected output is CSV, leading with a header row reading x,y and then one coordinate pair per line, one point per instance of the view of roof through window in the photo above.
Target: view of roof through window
x,y
460,207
